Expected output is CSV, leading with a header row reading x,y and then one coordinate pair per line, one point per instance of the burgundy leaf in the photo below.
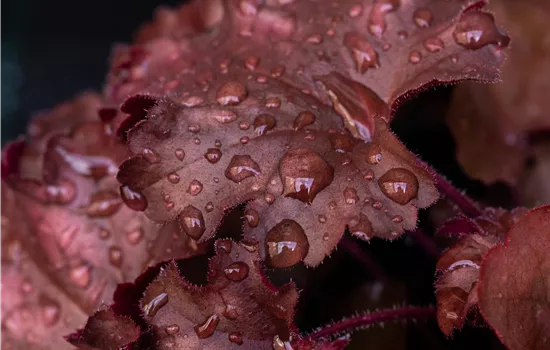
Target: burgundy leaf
x,y
514,291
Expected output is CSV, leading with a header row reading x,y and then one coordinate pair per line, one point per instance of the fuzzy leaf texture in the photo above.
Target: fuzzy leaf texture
x,y
285,106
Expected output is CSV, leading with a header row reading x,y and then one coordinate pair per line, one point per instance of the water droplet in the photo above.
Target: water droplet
x,y
304,174
196,141
207,328
386,46
51,310
80,275
133,199
152,307
397,219
225,116
252,217
278,344
286,244
209,207
213,155
135,236
252,62
361,51
373,154
172,329
115,256
377,17
341,142
278,71
350,195
194,128
303,119
261,79
244,125
454,58
103,204
314,39
244,140
236,337
264,123
477,29
223,245
236,271
173,178
273,102
104,234
402,34
322,219
231,93
195,187
355,11
230,312
415,57
434,45
269,198
179,153
369,175
377,205
151,156
192,101
192,222
361,228
422,17
241,167
399,184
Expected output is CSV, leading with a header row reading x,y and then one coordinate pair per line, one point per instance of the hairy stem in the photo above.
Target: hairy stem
x,y
349,324
462,201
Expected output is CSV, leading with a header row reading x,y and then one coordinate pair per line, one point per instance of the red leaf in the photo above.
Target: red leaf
x,y
196,155
514,290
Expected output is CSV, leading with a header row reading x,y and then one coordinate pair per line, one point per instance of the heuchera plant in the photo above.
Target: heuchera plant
x,y
239,142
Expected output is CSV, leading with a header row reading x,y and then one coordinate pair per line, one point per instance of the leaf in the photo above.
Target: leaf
x,y
514,290
238,120
67,238
238,309
490,122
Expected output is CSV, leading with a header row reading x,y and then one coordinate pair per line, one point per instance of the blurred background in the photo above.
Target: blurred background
x,y
51,50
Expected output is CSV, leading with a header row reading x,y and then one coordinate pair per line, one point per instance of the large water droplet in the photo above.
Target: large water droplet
x,y
195,187
241,167
133,199
103,203
152,307
213,155
377,17
225,116
286,244
236,271
361,228
361,51
80,275
477,29
236,337
252,217
231,93
192,222
399,184
341,142
208,327
304,174
264,123
151,156
422,17
434,44
303,119
115,256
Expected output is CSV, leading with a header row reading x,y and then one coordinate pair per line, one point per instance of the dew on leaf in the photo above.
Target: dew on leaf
x,y
213,155
194,128
155,304
231,93
230,312
350,196
399,184
172,329
252,62
103,204
303,119
241,167
361,227
51,310
173,178
422,17
286,244
151,156
236,271
373,154
195,187
179,153
477,29
264,123
208,327
133,199
192,222
415,57
434,44
355,11
377,17
369,175
273,102
244,140
134,236
361,51
252,217
115,256
224,116
244,125
236,337
80,275
315,39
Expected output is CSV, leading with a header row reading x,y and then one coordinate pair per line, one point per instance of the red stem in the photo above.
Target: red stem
x,y
371,266
464,203
349,324
426,242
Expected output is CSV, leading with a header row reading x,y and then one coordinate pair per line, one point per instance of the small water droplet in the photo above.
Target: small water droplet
x,y
377,205
208,327
192,222
209,207
103,204
194,128
236,337
80,275
369,175
361,51
236,271
341,142
477,29
377,17
179,153
230,312
134,236
273,102
269,198
322,219
303,119
402,34
304,174
415,57
195,187
315,39
434,45
361,228
172,329
252,217
244,140
399,184
386,46
278,71
192,101
104,234
196,141
115,256
355,11
213,155
422,17
133,199
261,79
51,310
151,156
264,123
224,245
252,62
152,307
225,116
397,219
244,125
350,195
231,93
241,167
286,244
173,178
454,58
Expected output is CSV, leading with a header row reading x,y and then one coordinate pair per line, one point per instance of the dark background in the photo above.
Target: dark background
x,y
51,50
